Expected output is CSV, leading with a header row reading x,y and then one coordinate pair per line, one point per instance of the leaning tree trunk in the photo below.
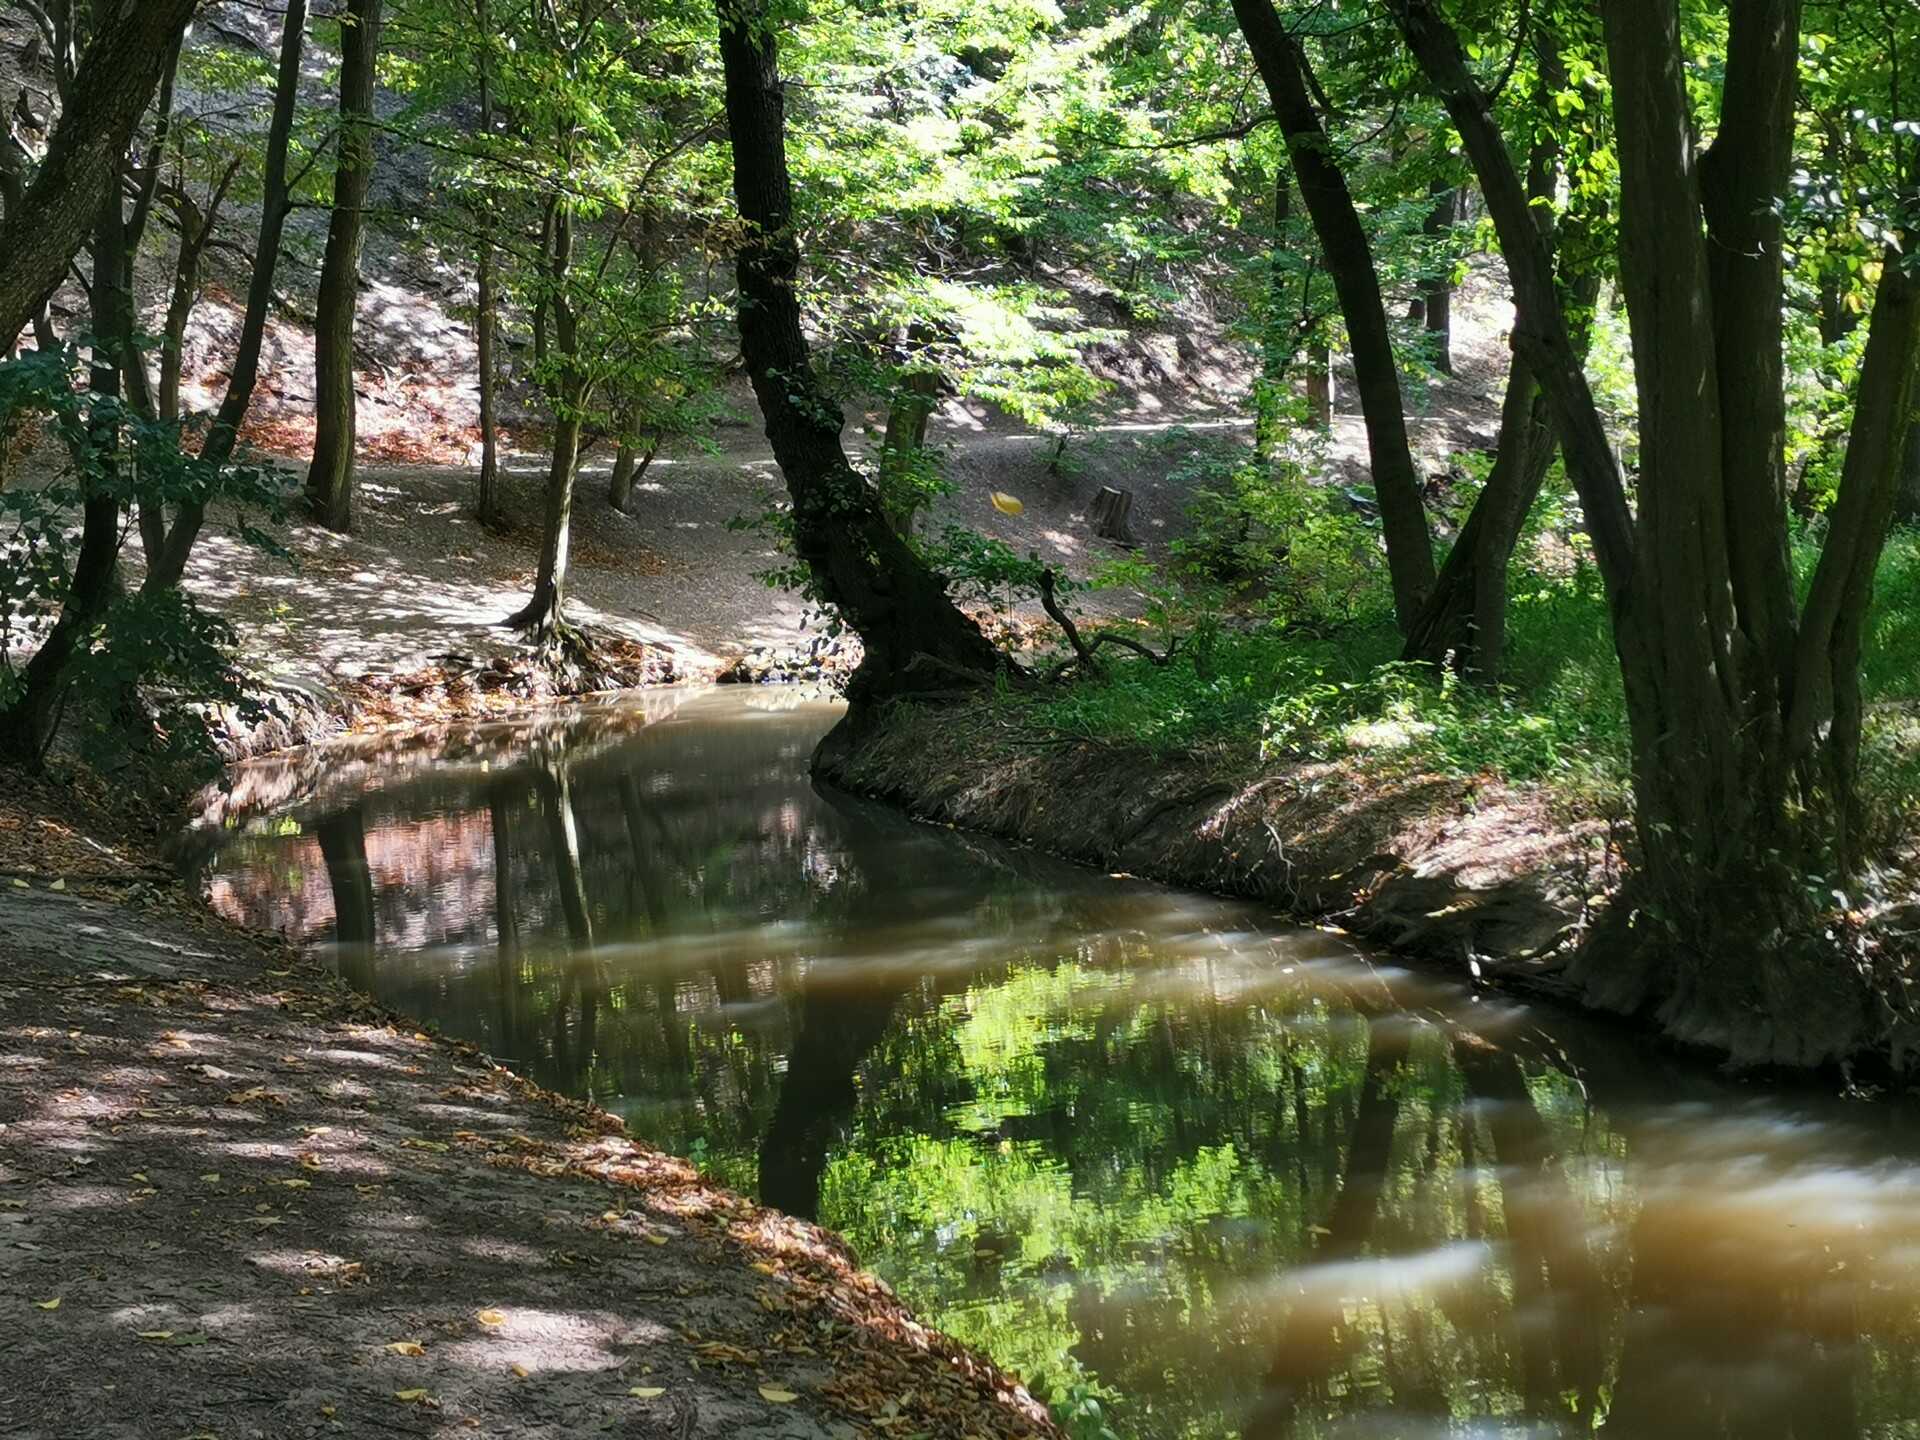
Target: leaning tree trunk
x,y
915,637
1348,257
630,466
224,434
112,87
330,475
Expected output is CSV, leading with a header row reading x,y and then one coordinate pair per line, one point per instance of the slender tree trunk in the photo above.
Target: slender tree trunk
x,y
224,435
330,476
915,637
901,446
541,615
1435,305
486,318
112,87
1277,336
1348,256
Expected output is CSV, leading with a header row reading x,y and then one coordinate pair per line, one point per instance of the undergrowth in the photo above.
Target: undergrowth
x,y
1293,689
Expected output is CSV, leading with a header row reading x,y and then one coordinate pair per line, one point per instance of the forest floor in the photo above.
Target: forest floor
x,y
236,1200
357,623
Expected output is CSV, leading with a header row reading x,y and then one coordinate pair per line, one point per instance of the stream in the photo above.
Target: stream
x,y
1188,1169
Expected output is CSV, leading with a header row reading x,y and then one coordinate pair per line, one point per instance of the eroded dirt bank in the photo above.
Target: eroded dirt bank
x,y
1444,868
237,1200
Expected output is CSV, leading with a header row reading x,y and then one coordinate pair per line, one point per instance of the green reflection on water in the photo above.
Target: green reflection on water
x,y
1161,1158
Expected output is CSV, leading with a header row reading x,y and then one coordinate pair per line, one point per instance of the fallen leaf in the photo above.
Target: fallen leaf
x,y
491,1317
654,1237
53,1304
156,1334
408,1397
520,1370
777,1397
192,1337
647,1392
407,1347
212,1177
1007,504
412,1144
58,885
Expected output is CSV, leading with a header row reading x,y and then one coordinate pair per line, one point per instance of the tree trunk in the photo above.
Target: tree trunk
x,y
1320,386
1436,291
1348,256
330,476
343,845
915,637
630,467
541,615
111,90
1277,338
486,317
224,435
1906,507
1745,724
901,447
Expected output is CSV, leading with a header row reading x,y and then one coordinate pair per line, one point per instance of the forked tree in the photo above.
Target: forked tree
x,y
1744,703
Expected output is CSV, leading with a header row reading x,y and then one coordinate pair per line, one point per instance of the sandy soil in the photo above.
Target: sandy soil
x,y
234,1200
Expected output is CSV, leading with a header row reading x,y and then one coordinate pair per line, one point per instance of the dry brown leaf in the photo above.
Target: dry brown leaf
x,y
491,1317
407,1347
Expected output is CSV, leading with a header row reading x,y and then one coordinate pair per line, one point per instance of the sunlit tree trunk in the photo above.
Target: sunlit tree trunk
x,y
486,317
330,476
541,616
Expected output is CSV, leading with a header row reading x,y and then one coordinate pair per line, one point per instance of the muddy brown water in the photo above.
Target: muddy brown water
x,y
1189,1170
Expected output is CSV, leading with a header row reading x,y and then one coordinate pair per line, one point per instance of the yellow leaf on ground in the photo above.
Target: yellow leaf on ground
x,y
53,1304
156,1334
407,1347
647,1392
212,1178
407,1397
654,1237
491,1317
1007,504
58,885
777,1397
520,1370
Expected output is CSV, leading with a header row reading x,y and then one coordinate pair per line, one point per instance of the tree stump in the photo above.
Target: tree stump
x,y
1111,507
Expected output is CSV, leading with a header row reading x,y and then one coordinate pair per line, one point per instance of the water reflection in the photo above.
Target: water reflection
x,y
1160,1156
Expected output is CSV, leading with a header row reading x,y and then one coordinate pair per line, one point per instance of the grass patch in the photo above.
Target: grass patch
x,y
1559,720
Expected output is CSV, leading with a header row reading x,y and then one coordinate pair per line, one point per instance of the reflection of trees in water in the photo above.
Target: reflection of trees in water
x,y
944,1052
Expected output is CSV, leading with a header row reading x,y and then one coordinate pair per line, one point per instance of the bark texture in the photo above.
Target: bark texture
x,y
1348,257
112,88
915,637
1745,717
330,476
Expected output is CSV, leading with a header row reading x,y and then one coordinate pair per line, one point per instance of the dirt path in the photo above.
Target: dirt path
x,y
237,1202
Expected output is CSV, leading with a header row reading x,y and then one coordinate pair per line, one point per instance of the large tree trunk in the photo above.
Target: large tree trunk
x,y
915,637
171,564
330,476
1745,724
112,87
1348,256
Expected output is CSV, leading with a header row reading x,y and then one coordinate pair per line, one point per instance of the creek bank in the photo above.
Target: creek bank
x,y
236,1198
1479,876
1496,882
